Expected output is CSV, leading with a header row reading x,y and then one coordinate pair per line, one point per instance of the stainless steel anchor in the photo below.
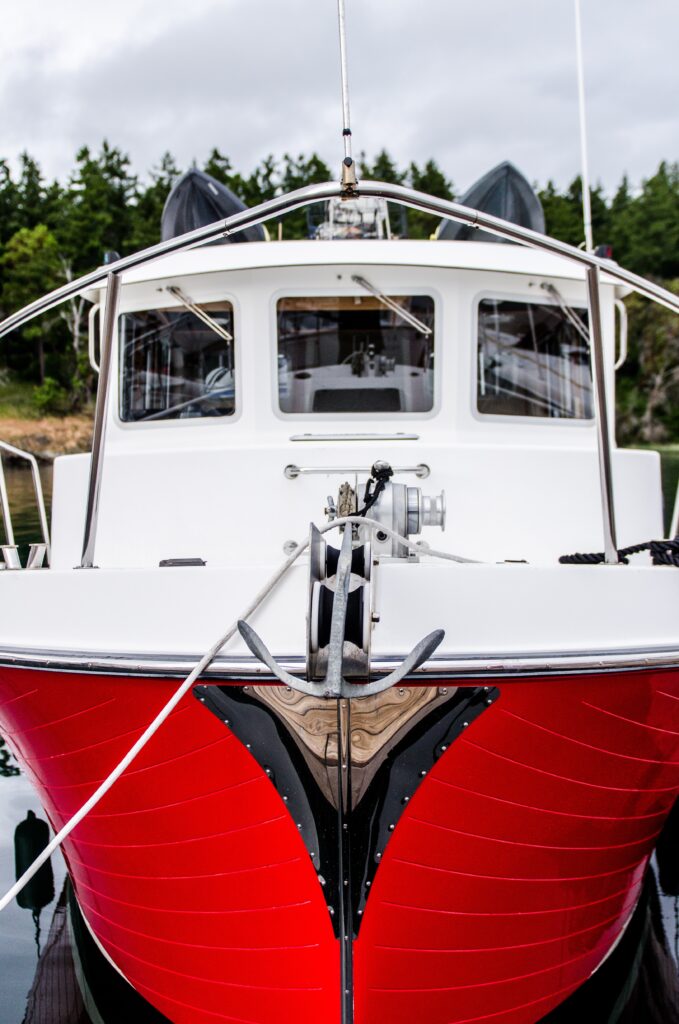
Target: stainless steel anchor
x,y
334,684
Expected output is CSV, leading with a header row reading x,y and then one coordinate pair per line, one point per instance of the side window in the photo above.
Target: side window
x,y
177,363
533,360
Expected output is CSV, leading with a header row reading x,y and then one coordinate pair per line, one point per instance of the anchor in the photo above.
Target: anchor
x,y
334,684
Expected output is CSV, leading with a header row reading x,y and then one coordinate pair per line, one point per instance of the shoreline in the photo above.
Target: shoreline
x,y
47,436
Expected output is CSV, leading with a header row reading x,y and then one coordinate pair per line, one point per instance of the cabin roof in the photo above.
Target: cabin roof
x,y
482,256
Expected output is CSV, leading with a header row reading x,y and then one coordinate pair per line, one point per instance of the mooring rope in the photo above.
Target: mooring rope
x,y
663,552
184,688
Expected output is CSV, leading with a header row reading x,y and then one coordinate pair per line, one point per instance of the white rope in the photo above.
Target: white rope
x,y
418,549
204,662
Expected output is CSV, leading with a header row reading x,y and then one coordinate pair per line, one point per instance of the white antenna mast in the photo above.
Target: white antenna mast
x,y
348,165
586,198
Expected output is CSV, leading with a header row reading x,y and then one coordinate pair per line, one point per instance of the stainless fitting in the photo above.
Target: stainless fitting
x,y
425,510
10,554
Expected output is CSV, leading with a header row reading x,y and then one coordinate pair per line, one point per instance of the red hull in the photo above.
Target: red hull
x,y
507,878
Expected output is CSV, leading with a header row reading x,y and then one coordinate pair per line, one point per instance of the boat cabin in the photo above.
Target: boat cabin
x,y
249,382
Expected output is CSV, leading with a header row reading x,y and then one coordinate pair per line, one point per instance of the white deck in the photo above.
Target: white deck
x,y
491,614
518,488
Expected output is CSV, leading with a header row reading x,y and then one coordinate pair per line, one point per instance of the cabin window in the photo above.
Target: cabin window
x,y
533,360
177,363
356,354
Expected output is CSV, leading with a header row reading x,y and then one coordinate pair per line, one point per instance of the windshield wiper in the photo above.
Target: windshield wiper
x,y
191,306
390,304
569,313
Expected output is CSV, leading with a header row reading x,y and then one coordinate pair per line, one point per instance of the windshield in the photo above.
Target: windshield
x,y
176,363
533,361
356,354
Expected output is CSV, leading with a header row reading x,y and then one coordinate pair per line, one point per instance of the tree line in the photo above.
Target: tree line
x,y
51,232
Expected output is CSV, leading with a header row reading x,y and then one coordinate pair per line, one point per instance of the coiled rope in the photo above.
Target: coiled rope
x,y
663,552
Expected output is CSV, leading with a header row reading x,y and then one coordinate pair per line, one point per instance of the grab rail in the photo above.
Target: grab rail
x,y
98,432
291,471
91,336
39,497
310,194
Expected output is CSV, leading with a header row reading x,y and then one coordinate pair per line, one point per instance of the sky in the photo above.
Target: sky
x,y
467,83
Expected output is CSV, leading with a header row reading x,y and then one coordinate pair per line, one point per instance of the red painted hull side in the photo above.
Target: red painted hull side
x,y
511,872
190,870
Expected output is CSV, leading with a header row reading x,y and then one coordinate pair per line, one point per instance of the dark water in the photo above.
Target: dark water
x,y
18,938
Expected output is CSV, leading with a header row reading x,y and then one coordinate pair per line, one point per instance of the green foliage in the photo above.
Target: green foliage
x,y
30,266
564,217
296,173
97,207
51,232
652,225
430,179
270,179
50,398
648,386
8,203
148,207
16,397
383,168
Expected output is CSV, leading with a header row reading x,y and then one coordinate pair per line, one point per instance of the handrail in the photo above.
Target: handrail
x,y
593,266
311,194
292,471
603,431
98,433
39,496
4,508
622,354
91,316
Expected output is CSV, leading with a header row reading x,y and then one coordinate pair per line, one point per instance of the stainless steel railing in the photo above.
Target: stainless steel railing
x,y
99,433
38,552
291,471
592,265
318,193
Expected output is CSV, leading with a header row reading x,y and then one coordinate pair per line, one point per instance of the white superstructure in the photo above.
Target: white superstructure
x,y
518,487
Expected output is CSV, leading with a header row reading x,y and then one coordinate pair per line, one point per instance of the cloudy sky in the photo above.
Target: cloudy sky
x,y
469,82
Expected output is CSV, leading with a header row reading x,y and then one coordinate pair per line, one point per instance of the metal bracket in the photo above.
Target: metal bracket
x,y
334,685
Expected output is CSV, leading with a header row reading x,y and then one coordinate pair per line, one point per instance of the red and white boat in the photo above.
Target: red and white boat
x,y
326,832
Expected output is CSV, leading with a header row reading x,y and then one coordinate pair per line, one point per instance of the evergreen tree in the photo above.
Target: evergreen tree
x,y
263,183
385,169
30,194
653,224
648,391
97,210
220,167
50,233
430,179
148,209
298,172
563,212
620,232
31,266
9,204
